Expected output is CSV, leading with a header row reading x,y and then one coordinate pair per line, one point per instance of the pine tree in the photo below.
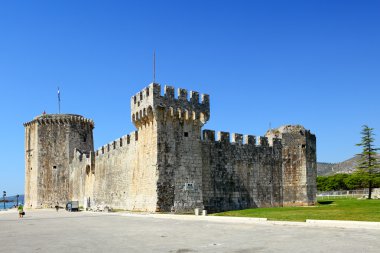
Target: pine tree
x,y
368,163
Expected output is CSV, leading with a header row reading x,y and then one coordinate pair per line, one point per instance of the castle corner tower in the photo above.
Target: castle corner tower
x,y
299,165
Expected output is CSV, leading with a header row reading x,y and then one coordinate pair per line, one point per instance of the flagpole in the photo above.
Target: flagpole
x,y
59,101
154,66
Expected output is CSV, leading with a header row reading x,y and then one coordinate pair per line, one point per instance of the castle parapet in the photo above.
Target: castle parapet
x,y
239,139
122,142
60,119
147,103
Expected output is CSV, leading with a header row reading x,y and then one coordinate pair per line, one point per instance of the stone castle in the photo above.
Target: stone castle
x,y
168,164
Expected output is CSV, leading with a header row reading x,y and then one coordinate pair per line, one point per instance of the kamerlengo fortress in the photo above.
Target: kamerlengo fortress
x,y
168,163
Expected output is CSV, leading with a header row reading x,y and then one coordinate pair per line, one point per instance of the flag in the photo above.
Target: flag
x,y
59,95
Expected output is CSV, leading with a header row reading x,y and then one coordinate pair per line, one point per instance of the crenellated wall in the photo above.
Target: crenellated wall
x,y
126,173
240,173
158,167
120,174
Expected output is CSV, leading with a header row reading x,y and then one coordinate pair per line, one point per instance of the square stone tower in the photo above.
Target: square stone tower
x,y
172,127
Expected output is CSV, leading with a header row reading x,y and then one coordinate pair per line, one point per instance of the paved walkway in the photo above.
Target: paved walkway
x,y
49,231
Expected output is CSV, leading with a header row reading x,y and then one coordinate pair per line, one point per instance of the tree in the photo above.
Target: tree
x,y
368,163
355,181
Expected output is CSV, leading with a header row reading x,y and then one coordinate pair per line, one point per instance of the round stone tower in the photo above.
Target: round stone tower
x,y
50,140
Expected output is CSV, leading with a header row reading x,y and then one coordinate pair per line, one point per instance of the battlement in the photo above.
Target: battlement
x,y
121,142
144,104
60,119
240,139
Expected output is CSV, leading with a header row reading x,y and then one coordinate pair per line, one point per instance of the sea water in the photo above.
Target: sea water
x,y
8,205
12,202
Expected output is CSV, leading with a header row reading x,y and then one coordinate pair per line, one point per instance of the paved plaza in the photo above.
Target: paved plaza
x,y
49,231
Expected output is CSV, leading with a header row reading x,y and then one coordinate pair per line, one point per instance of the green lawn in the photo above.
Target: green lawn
x,y
336,209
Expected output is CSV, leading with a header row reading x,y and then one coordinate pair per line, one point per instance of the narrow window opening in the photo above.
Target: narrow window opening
x,y
134,98
141,96
54,167
147,92
186,134
136,136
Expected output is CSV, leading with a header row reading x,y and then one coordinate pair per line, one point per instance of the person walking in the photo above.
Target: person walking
x,y
20,211
57,207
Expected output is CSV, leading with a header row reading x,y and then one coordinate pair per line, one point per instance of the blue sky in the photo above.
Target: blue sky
x,y
315,63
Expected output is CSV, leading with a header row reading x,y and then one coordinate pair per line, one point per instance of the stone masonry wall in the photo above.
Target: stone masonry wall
x,y
82,176
31,165
311,167
125,172
240,174
180,164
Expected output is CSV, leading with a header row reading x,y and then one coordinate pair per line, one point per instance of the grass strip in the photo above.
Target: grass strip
x,y
336,209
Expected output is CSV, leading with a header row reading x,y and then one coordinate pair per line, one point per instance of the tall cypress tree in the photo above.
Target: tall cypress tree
x,y
368,163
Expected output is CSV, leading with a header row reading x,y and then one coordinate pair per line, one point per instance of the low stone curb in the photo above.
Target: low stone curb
x,y
344,224
262,221
223,219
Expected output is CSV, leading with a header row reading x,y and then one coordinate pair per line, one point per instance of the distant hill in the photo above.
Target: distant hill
x,y
348,166
13,198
